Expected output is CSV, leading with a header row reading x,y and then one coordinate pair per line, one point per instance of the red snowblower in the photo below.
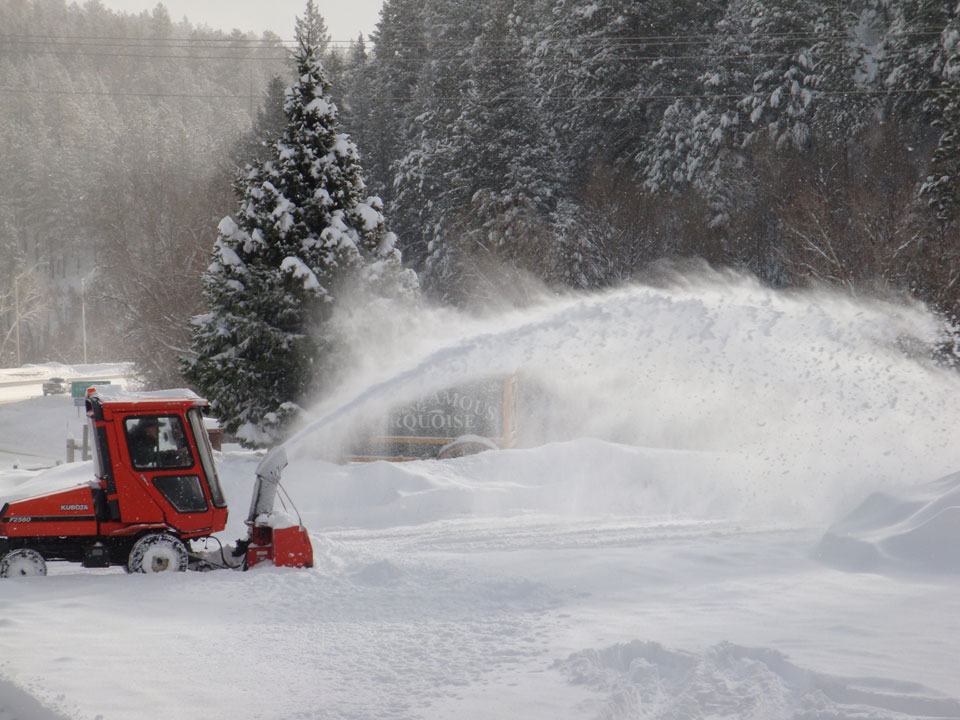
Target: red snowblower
x,y
155,492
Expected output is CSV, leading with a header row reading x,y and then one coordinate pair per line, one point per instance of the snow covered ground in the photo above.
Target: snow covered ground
x,y
727,503
25,382
26,447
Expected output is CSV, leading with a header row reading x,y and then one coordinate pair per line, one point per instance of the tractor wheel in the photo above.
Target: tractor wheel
x,y
157,553
21,563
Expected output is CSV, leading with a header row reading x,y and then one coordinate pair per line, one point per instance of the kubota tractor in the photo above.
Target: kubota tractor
x,y
155,490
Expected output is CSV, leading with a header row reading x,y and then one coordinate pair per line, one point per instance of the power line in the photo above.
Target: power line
x,y
552,48
71,40
708,56
112,93
691,38
142,40
514,98
159,42
59,53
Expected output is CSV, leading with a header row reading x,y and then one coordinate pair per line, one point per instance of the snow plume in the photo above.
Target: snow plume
x,y
819,397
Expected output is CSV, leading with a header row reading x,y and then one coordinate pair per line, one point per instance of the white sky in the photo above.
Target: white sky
x,y
344,19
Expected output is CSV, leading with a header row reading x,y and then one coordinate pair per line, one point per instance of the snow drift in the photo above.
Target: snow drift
x,y
916,530
645,680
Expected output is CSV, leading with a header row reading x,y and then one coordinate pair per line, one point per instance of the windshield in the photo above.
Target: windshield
x,y
206,456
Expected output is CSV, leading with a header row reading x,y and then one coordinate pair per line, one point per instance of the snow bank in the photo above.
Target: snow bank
x,y
43,371
17,704
14,486
917,529
34,433
574,479
645,680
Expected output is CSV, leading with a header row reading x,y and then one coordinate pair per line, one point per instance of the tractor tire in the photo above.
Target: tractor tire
x,y
157,553
23,562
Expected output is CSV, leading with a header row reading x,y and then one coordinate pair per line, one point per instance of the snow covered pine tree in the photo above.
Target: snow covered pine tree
x,y
303,233
942,186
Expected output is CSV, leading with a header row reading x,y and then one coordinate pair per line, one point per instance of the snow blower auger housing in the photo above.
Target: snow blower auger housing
x,y
273,536
155,490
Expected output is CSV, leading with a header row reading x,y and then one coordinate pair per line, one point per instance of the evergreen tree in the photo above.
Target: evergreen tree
x,y
357,109
502,179
255,146
942,186
607,70
780,72
841,111
303,232
910,49
780,37
450,29
699,136
311,30
390,81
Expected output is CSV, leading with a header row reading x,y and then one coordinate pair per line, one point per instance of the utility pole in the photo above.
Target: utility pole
x,y
83,316
83,311
16,311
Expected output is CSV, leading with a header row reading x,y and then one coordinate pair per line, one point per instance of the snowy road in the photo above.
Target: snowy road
x,y
17,384
57,416
477,619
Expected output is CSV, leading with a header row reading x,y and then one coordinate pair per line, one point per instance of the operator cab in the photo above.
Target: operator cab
x,y
161,452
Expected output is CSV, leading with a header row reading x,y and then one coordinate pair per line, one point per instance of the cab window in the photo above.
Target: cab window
x,y
157,442
184,492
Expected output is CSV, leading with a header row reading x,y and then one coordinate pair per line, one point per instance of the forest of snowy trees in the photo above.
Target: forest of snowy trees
x,y
573,142
795,139
117,144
